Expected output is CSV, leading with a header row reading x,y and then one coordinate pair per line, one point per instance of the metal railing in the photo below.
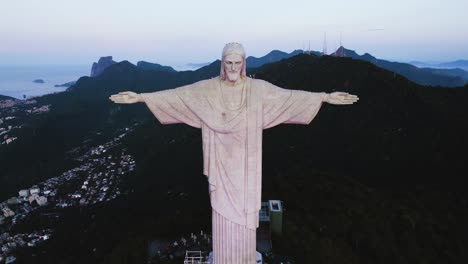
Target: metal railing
x,y
195,257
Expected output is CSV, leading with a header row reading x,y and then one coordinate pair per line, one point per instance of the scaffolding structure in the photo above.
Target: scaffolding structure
x,y
196,257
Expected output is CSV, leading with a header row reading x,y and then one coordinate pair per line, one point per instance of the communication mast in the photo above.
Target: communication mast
x,y
308,50
342,50
324,52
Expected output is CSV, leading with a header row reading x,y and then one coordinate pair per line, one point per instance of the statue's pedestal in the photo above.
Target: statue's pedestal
x,y
232,242
197,257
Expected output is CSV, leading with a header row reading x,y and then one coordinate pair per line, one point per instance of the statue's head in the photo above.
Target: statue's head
x,y
233,66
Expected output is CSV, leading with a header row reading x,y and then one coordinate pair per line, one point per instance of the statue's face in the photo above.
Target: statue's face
x,y
233,64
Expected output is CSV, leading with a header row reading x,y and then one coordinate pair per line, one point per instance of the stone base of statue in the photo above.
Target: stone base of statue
x,y
232,243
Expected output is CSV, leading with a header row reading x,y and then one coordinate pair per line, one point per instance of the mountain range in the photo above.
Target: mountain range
x,y
4,97
423,76
273,56
154,66
380,181
429,76
462,64
252,62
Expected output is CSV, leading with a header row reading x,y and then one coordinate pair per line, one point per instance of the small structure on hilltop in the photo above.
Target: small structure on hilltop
x,y
271,221
276,216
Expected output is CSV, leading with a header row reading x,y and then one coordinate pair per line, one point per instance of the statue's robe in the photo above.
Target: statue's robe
x,y
232,148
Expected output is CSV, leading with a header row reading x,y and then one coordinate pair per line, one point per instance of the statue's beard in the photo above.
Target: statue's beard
x,y
233,76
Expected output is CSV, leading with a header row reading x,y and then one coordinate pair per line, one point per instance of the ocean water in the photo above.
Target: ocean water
x,y
16,81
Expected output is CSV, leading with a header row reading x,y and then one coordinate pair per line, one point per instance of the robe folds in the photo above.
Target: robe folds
x,y
232,136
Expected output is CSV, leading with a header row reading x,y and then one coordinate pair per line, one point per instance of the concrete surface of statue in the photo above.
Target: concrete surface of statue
x,y
232,111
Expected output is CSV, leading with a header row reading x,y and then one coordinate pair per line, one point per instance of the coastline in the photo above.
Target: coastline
x,y
17,80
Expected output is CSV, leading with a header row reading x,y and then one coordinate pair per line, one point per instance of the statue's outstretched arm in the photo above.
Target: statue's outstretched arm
x,y
126,98
341,98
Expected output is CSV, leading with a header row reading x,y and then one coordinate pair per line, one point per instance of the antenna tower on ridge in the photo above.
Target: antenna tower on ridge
x,y
324,52
308,50
342,50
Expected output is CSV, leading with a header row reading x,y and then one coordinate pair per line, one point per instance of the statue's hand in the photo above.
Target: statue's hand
x,y
126,98
341,98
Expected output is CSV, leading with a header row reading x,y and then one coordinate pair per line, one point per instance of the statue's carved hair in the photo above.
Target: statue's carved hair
x,y
233,48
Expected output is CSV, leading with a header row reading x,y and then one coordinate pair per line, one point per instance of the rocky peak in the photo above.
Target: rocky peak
x,y
101,65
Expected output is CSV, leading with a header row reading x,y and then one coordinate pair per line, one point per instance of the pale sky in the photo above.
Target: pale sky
x,y
177,32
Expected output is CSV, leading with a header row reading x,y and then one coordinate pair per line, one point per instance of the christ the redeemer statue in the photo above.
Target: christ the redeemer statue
x,y
232,111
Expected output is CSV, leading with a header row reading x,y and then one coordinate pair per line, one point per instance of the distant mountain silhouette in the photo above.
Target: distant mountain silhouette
x,y
375,182
252,62
67,84
462,64
101,65
196,65
455,69
154,66
421,64
455,64
456,72
413,73
191,66
126,76
273,56
4,97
